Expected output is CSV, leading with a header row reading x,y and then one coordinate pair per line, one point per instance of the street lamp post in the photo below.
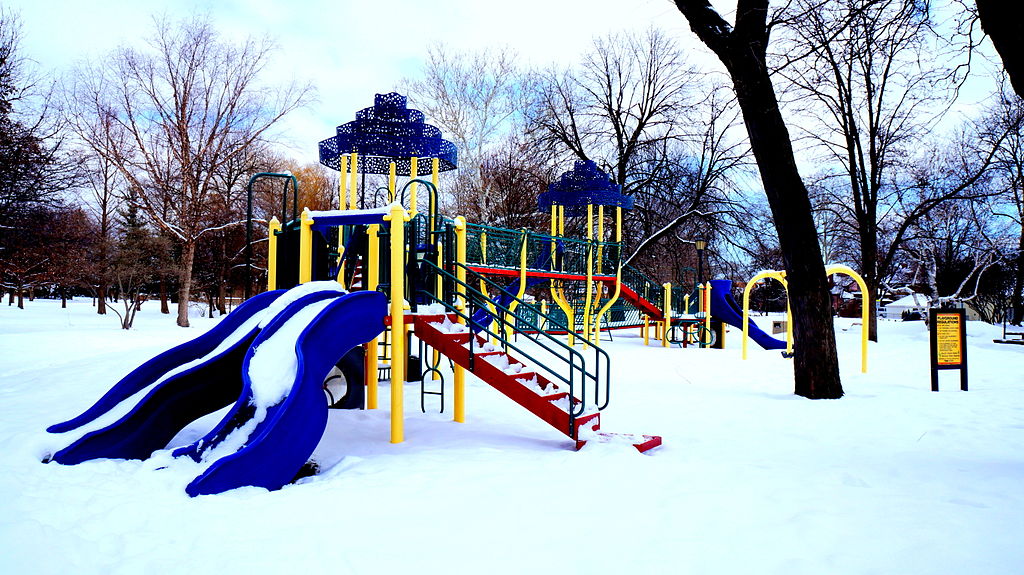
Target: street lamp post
x,y
701,245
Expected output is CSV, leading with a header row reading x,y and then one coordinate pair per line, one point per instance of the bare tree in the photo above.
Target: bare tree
x,y
475,99
869,92
743,50
1008,179
691,189
629,95
188,104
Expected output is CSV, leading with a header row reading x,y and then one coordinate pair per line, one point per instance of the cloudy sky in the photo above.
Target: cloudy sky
x,y
348,50
351,50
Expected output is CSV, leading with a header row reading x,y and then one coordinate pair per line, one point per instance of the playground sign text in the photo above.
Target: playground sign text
x,y
948,349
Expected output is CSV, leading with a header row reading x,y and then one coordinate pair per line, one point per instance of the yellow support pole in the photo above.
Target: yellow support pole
x,y
392,178
342,205
600,238
667,287
781,277
647,330
588,299
397,218
460,305
435,168
342,182
275,226
864,309
352,188
707,306
413,170
371,279
305,247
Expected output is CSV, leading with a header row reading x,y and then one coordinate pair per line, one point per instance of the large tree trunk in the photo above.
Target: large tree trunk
x,y
870,272
742,49
164,308
101,300
221,298
188,253
1003,21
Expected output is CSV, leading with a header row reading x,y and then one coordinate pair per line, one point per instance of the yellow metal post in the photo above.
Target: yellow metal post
x,y
707,306
275,226
342,182
588,299
667,287
781,277
392,178
352,188
864,310
397,219
460,305
600,238
371,277
413,170
435,168
305,247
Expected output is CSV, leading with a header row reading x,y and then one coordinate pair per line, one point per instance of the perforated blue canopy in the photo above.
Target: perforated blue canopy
x,y
585,184
389,132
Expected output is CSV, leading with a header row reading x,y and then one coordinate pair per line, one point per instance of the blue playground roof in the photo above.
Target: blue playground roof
x,y
389,132
585,184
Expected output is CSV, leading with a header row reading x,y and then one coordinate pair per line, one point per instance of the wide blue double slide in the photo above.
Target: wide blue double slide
x,y
181,389
725,308
212,371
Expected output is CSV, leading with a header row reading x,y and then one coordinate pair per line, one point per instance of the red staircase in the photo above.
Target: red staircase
x,y
523,385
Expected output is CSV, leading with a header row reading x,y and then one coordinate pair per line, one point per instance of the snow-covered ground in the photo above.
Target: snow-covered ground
x,y
751,479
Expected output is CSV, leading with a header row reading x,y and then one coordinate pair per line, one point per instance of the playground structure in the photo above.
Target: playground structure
x,y
394,290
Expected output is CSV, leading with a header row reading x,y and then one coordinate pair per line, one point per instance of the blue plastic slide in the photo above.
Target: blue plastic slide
x,y
208,373
282,441
725,308
184,366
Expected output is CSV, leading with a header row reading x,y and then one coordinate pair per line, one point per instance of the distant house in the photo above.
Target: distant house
x,y
914,302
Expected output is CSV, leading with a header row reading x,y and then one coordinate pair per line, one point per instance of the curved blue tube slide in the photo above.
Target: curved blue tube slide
x,y
283,441
725,308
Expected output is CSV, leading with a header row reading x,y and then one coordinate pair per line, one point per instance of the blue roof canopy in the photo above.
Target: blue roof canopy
x,y
389,132
584,185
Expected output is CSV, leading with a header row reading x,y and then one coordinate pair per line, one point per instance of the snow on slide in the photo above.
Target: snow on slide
x,y
293,333
281,414
724,307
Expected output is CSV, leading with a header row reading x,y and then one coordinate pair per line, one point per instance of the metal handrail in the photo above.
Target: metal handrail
x,y
548,342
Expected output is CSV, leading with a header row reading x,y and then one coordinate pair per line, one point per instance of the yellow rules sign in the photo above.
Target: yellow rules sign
x,y
949,346
948,343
